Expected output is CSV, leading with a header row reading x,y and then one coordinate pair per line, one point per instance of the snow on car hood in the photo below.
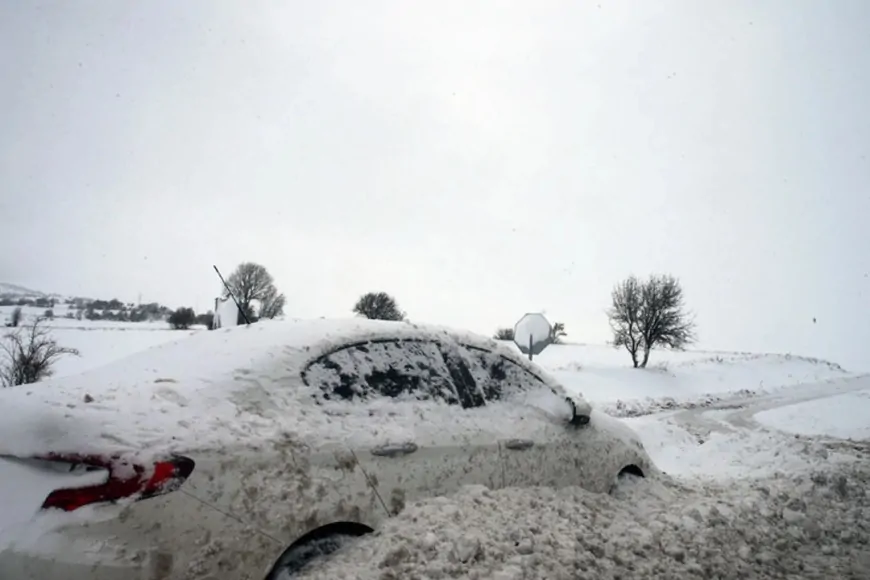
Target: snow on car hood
x,y
211,389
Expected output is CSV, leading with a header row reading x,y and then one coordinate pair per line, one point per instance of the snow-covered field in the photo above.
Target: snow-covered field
x,y
604,376
845,416
763,479
99,342
600,372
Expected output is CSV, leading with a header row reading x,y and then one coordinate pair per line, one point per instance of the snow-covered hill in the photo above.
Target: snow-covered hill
x,y
16,291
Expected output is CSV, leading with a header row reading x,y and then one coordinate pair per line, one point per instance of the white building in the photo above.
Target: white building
x,y
226,313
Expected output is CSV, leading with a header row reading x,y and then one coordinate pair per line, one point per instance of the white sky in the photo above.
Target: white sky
x,y
475,159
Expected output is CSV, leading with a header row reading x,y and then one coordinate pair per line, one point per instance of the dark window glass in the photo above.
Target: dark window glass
x,y
499,377
398,369
460,365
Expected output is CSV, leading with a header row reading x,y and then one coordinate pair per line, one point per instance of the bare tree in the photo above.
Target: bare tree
x,y
664,321
30,353
504,334
378,306
271,304
558,332
251,282
625,315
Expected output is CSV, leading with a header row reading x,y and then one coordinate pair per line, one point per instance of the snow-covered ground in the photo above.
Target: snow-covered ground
x,y
742,499
845,416
677,379
761,479
99,342
811,526
733,439
739,501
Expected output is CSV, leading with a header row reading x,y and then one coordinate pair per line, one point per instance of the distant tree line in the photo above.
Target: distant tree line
x,y
10,300
88,309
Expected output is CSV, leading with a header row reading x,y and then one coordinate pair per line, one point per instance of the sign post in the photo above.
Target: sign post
x,y
533,333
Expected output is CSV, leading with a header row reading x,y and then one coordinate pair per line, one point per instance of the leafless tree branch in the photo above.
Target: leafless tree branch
x,y
252,282
624,316
29,353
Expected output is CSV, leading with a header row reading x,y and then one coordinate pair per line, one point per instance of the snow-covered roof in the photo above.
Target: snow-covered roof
x,y
215,384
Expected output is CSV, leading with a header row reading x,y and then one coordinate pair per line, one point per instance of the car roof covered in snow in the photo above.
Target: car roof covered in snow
x,y
211,375
211,356
284,346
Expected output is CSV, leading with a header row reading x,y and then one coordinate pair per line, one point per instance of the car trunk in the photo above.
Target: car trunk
x,y
61,453
69,482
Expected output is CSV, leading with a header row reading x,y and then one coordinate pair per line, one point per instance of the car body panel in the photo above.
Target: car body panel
x,y
287,490
164,538
276,459
440,459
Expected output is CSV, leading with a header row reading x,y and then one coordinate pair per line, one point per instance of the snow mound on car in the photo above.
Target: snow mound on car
x,y
211,389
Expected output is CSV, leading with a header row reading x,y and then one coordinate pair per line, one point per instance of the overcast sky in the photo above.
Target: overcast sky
x,y
475,159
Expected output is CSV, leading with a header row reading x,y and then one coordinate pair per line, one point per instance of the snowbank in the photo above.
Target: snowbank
x,y
844,416
812,526
731,454
676,379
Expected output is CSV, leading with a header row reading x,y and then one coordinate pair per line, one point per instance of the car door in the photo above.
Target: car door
x,y
412,436
542,447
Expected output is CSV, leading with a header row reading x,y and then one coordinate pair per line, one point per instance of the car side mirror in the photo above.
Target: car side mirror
x,y
579,412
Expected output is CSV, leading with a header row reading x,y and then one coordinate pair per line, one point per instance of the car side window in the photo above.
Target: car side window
x,y
499,377
403,369
460,365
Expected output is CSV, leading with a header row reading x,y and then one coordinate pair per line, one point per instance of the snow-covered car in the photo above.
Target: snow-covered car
x,y
239,453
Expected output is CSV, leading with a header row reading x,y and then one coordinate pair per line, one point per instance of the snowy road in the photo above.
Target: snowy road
x,y
730,415
780,434
742,500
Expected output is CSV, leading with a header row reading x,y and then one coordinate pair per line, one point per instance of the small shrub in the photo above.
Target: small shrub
x,y
182,319
504,334
15,321
378,306
29,354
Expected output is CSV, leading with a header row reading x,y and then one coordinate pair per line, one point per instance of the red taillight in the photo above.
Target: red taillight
x,y
126,480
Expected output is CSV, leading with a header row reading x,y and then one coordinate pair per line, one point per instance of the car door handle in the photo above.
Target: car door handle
x,y
395,449
519,444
